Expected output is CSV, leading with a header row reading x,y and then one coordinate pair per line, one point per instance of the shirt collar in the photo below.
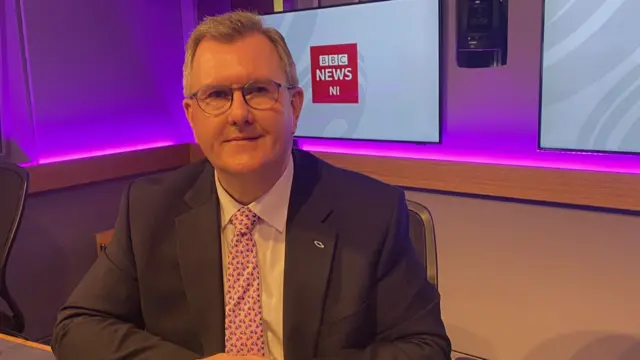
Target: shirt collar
x,y
271,207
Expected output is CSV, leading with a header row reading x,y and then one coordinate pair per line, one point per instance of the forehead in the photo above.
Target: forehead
x,y
252,57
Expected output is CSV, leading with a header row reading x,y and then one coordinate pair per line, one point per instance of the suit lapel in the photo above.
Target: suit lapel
x,y
310,243
200,257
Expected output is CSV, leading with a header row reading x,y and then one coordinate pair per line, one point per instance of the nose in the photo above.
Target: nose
x,y
239,113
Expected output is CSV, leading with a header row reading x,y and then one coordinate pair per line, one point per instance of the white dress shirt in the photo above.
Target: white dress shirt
x,y
269,235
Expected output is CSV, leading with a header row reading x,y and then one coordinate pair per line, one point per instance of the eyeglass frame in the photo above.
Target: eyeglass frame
x,y
244,98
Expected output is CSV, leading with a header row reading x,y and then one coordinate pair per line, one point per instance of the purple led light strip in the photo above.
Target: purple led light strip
x,y
101,152
544,159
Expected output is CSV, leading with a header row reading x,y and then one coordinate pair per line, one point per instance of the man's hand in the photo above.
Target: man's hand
x,y
233,357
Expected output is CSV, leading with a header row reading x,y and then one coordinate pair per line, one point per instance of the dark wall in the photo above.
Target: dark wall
x,y
211,8
56,246
260,6
525,281
215,7
127,55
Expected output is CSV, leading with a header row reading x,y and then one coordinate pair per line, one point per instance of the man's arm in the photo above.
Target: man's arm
x,y
409,322
102,318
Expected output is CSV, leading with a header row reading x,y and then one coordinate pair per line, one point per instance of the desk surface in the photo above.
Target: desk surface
x,y
458,356
14,349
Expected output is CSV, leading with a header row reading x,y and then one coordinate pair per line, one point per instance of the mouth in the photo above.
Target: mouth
x,y
243,139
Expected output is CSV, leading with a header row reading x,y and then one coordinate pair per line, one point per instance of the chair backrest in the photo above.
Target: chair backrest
x,y
13,191
423,237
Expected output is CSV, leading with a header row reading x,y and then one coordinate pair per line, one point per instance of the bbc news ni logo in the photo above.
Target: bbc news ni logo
x,y
334,74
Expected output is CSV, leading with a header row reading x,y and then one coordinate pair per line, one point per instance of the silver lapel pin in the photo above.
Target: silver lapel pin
x,y
319,244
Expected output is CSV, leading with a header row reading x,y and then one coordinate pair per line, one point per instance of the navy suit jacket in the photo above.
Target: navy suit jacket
x,y
157,292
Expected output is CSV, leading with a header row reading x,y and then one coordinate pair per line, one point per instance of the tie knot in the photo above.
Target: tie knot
x,y
244,220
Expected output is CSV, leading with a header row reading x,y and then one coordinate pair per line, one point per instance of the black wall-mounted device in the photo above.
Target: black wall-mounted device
x,y
482,33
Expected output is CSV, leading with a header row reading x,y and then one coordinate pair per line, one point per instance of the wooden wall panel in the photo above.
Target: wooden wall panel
x,y
575,187
83,171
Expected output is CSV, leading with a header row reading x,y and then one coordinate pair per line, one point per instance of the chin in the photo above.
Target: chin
x,y
241,165
243,168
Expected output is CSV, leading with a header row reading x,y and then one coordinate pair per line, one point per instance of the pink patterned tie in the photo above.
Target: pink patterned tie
x,y
243,309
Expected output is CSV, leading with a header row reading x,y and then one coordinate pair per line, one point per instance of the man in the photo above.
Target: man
x,y
260,252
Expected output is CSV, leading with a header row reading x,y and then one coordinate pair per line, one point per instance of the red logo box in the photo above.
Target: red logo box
x,y
334,74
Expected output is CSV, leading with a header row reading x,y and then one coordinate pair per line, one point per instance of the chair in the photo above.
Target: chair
x,y
13,191
423,237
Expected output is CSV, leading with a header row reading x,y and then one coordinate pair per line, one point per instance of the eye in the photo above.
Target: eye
x,y
218,94
256,89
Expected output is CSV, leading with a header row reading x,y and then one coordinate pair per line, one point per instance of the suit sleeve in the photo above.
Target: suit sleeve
x,y
102,318
409,322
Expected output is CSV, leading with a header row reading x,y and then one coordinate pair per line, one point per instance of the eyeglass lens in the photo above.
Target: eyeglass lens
x,y
260,95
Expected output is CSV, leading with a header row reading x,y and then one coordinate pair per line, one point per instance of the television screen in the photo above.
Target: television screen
x,y
590,96
369,71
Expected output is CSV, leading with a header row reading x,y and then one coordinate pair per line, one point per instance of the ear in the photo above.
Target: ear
x,y
297,100
187,105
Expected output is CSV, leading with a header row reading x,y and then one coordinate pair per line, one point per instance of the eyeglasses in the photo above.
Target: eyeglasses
x,y
259,95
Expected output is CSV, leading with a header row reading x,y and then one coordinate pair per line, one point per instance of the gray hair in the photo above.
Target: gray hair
x,y
231,27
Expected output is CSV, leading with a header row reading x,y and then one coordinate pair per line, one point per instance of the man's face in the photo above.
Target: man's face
x,y
242,139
